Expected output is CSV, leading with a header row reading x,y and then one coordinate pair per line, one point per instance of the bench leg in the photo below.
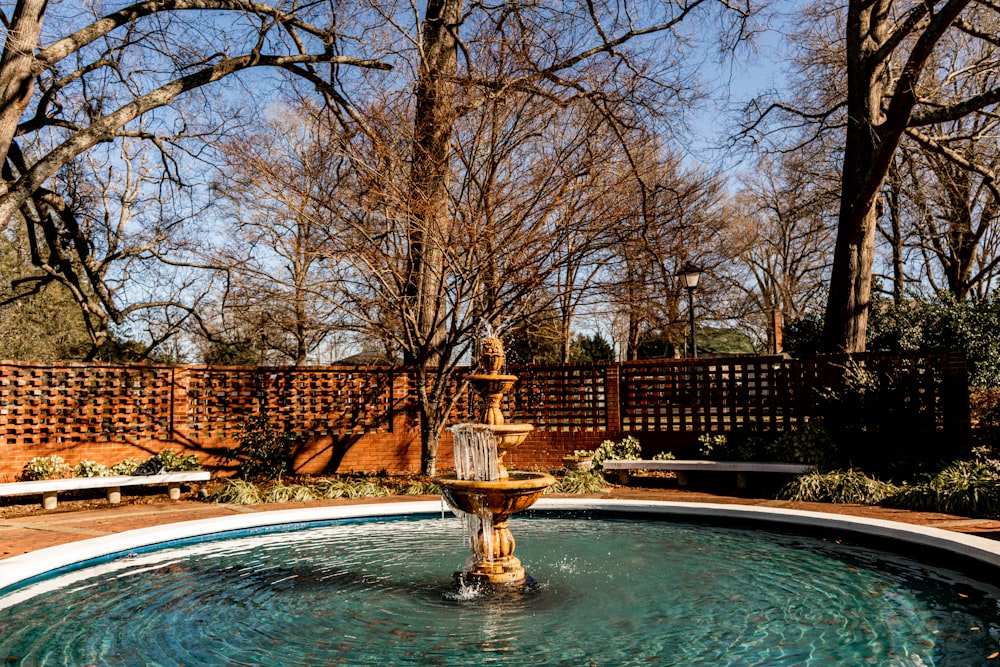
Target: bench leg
x,y
741,480
682,477
174,491
49,500
623,476
114,494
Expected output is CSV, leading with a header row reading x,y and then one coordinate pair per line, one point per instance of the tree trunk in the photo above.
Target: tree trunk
x,y
875,124
866,162
428,446
16,80
428,199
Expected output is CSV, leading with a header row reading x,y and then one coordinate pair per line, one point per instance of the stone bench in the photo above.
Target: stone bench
x,y
682,467
50,488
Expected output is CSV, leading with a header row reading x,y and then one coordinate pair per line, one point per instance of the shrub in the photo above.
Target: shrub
x,y
627,449
126,467
88,468
580,481
263,452
664,456
969,488
286,493
877,423
419,489
838,486
174,462
236,492
330,488
366,487
806,443
45,467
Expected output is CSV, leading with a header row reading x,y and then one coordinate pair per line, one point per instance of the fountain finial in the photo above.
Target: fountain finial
x,y
493,357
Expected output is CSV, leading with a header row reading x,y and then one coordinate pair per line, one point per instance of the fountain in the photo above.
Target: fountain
x,y
483,492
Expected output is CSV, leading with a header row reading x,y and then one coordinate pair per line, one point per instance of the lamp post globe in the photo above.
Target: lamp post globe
x,y
690,275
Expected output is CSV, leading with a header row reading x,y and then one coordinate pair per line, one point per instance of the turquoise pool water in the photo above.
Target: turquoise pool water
x,y
609,592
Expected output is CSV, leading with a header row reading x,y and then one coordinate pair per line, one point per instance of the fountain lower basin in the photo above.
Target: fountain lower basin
x,y
493,502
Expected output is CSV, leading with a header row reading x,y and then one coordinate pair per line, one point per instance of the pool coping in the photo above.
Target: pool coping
x,y
979,551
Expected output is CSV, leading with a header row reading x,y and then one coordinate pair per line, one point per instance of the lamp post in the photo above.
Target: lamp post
x,y
690,275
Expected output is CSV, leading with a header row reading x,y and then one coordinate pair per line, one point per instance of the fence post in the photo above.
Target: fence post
x,y
612,400
180,406
957,411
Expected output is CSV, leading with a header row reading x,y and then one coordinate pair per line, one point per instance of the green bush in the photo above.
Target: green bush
x,y
877,423
968,488
287,493
126,467
88,468
239,491
174,462
942,323
627,449
418,489
262,451
45,467
366,487
838,486
939,323
805,443
330,488
236,491
580,481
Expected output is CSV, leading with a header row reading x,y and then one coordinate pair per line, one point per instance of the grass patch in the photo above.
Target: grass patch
x,y
838,486
238,491
580,481
968,488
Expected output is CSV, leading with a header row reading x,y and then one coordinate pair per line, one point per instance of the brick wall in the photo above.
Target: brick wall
x,y
363,419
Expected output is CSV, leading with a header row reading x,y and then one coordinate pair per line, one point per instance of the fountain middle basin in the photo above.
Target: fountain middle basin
x,y
502,498
633,587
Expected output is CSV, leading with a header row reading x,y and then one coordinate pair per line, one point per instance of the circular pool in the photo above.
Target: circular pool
x,y
612,588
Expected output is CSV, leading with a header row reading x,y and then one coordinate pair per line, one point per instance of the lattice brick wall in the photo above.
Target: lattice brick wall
x,y
79,403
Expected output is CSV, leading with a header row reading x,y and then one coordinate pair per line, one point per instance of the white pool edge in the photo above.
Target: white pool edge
x,y
21,568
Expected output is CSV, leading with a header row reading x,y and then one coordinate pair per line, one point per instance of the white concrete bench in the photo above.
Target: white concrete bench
x,y
49,488
682,467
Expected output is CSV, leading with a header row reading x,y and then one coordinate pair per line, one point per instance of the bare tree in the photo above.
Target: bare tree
x,y
85,81
892,87
671,217
779,236
568,54
945,213
279,179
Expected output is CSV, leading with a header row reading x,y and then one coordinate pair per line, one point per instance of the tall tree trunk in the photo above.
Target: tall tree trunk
x,y
866,163
875,125
428,199
16,80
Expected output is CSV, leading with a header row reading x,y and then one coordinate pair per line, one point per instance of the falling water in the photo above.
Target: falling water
x,y
475,451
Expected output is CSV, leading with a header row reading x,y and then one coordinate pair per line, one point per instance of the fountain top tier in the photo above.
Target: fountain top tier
x,y
491,385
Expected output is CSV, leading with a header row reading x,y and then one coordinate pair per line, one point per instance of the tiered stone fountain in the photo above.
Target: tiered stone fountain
x,y
483,490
